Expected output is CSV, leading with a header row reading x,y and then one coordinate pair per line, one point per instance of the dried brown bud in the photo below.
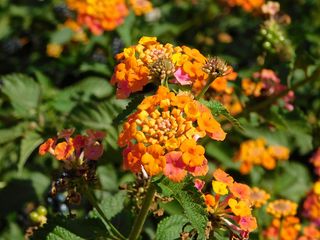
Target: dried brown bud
x,y
215,66
161,69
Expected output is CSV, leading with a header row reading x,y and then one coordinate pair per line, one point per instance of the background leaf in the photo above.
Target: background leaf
x,y
171,227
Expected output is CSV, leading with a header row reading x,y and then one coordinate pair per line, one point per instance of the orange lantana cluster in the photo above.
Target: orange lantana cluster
x,y
161,136
311,205
285,224
246,5
256,152
151,61
102,16
315,160
310,232
230,205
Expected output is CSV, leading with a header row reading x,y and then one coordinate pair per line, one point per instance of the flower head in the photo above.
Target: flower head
x,y
98,15
152,62
257,152
315,160
282,208
311,206
161,136
230,205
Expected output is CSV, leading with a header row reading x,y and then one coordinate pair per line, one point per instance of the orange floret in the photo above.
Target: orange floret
x,y
64,150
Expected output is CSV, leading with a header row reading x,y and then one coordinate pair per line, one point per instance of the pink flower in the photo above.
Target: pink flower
x,y
182,77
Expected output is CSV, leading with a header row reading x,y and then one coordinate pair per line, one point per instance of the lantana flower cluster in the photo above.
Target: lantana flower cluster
x,y
230,205
315,160
246,5
285,223
267,84
78,156
161,136
257,152
310,232
152,62
311,205
102,16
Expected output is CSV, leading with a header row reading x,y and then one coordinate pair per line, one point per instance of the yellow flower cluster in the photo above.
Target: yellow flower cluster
x,y
285,225
102,16
256,152
150,61
282,208
231,201
161,136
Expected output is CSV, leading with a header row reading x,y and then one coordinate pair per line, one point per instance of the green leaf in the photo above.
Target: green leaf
x,y
125,29
10,134
217,109
95,67
29,143
62,228
191,201
290,180
131,106
13,231
294,182
98,116
61,36
91,86
221,152
23,93
112,204
108,177
171,227
60,233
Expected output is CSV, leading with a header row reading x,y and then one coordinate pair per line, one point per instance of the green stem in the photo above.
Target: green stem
x,y
141,218
110,227
211,78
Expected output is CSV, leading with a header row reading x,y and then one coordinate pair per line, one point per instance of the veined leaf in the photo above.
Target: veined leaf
x,y
98,116
28,144
171,227
62,228
111,205
60,233
191,201
23,93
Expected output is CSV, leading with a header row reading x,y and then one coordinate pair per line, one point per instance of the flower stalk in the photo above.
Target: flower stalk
x,y
211,78
141,218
